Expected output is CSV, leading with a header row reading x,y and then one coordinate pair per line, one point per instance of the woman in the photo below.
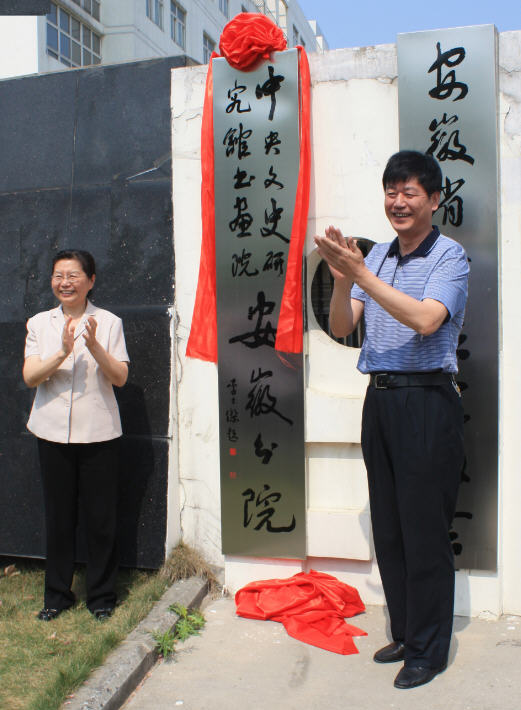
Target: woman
x,y
74,354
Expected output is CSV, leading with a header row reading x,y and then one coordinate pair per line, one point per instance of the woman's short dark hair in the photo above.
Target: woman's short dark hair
x,y
84,257
409,164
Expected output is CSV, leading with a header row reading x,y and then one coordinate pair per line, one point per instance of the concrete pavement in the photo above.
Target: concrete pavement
x,y
254,665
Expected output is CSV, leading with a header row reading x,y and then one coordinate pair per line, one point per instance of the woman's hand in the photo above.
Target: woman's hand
x,y
115,370
90,333
35,371
68,336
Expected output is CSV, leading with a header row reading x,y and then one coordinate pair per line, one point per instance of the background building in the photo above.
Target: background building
x,y
84,32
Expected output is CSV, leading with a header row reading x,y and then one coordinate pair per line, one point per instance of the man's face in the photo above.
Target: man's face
x,y
409,209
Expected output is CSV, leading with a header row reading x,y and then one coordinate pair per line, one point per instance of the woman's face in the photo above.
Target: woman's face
x,y
70,284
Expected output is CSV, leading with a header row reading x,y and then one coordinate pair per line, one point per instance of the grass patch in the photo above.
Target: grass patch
x,y
41,663
185,562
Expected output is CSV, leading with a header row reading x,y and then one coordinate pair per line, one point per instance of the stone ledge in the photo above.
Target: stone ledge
x,y
109,686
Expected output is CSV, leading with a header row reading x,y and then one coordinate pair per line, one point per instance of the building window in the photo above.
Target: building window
x,y
282,16
177,24
295,36
223,7
155,12
90,6
208,48
70,41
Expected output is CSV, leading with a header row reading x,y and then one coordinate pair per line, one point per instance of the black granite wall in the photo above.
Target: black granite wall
x,y
85,162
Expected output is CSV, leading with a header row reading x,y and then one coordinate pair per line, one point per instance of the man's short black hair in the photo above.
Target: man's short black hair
x,y
409,164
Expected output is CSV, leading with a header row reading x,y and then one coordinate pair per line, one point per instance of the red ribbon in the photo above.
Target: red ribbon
x,y
246,40
289,327
202,342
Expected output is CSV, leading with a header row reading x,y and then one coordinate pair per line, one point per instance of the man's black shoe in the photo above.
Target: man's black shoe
x,y
413,676
395,651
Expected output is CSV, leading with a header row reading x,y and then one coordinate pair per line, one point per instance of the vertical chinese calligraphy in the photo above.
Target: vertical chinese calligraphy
x,y
446,143
448,101
261,398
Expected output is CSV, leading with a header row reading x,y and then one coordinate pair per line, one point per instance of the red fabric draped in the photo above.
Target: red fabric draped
x,y
202,343
311,606
247,39
289,327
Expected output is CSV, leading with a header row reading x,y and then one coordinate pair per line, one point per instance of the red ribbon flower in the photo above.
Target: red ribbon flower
x,y
248,38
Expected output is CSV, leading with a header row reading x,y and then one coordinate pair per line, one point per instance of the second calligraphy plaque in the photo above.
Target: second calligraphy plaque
x,y
261,391
448,108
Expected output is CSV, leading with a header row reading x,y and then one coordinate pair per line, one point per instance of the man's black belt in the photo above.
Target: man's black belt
x,y
389,380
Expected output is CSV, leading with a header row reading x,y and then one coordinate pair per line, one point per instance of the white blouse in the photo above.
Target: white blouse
x,y
76,404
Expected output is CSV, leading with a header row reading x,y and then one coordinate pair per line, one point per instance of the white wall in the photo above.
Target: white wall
x,y
510,269
198,443
321,41
354,130
18,46
123,36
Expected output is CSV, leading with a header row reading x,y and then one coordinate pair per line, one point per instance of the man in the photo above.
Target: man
x,y
412,293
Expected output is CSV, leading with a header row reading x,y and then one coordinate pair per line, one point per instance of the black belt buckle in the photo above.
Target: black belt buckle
x,y
381,381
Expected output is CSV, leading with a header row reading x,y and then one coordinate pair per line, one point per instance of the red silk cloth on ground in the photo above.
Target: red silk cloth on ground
x,y
246,40
311,606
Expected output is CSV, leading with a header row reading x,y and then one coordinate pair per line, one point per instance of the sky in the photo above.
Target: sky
x,y
359,23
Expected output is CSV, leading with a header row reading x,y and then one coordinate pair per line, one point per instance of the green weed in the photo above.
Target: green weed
x,y
165,642
190,622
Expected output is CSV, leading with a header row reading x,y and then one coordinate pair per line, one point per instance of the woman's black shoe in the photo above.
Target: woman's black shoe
x,y
102,614
48,614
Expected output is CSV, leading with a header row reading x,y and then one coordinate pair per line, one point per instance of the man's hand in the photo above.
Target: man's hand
x,y
345,261
344,258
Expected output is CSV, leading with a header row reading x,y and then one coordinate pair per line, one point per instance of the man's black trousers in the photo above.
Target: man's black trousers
x,y
412,441
83,475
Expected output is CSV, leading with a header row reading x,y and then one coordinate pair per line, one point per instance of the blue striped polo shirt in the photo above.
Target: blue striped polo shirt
x,y
438,268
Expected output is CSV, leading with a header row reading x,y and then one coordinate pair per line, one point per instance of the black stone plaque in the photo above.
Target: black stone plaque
x,y
89,167
25,7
